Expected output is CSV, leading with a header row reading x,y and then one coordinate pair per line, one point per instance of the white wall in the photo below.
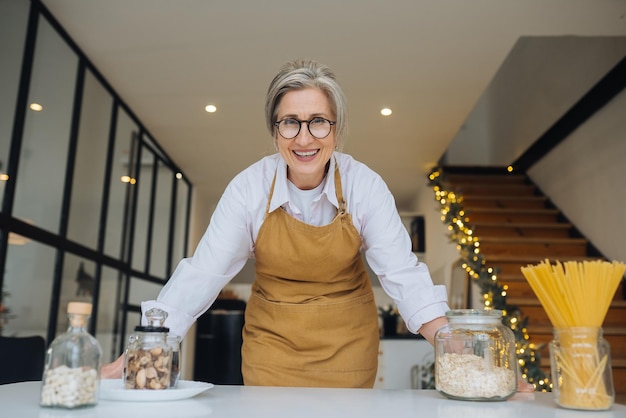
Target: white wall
x,y
540,80
585,177
441,253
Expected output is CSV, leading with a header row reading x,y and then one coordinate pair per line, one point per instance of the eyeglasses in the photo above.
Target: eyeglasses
x,y
319,128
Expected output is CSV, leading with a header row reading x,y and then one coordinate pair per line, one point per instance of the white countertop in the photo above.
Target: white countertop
x,y
20,400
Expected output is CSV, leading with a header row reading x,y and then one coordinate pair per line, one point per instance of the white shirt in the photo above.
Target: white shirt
x,y
301,201
231,235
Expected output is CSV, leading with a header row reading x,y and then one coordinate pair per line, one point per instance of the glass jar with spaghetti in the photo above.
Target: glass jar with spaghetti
x,y
475,356
576,296
580,361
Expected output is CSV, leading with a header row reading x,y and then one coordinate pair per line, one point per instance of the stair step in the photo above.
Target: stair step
x,y
485,178
511,263
548,247
617,304
542,330
619,381
471,201
521,229
513,215
537,315
617,363
616,341
531,240
616,337
492,190
518,287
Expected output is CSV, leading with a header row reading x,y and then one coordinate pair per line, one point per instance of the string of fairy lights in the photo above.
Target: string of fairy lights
x,y
486,277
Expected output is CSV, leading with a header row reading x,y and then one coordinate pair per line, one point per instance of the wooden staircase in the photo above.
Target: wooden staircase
x,y
517,226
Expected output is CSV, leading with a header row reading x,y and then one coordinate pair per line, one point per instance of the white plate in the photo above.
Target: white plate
x,y
113,390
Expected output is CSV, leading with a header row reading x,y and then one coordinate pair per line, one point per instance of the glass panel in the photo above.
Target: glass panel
x,y
40,182
144,184
133,319
41,172
139,291
142,290
13,21
120,186
182,194
29,286
151,144
110,283
89,169
77,285
161,225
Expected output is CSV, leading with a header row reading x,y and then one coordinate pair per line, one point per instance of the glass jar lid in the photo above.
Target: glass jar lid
x,y
156,317
474,316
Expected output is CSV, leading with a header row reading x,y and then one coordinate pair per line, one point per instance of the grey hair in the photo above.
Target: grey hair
x,y
301,74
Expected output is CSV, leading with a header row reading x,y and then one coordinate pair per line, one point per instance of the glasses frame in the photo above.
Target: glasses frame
x,y
308,126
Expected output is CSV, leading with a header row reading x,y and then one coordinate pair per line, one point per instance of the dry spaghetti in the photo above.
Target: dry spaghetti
x,y
576,297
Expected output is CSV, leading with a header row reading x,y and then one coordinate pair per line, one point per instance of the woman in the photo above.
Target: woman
x,y
304,214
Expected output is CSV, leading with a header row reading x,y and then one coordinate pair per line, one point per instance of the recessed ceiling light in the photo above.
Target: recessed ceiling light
x,y
385,111
210,108
36,107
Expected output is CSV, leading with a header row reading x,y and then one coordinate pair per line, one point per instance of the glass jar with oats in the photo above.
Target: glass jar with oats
x,y
475,357
148,356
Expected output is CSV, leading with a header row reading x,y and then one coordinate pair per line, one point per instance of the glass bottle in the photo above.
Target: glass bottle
x,y
72,369
148,357
475,356
580,362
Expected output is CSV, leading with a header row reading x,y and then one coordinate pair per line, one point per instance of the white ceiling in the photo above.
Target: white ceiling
x,y
429,60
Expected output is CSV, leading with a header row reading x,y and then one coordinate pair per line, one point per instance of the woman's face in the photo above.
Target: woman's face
x,y
306,156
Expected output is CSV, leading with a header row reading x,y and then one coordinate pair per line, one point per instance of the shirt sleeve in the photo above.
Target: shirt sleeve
x,y
387,248
221,254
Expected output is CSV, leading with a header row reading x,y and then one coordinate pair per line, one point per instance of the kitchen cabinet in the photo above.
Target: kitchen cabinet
x,y
405,363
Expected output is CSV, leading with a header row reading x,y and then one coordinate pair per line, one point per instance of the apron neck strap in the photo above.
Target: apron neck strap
x,y
338,191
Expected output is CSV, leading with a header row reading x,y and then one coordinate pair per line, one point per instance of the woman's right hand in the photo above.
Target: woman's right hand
x,y
113,370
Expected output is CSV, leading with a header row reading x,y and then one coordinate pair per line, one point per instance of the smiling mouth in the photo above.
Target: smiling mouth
x,y
306,153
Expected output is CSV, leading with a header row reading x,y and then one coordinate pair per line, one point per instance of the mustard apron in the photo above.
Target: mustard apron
x,y
311,319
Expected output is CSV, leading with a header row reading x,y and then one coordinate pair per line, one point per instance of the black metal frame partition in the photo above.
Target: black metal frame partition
x,y
142,142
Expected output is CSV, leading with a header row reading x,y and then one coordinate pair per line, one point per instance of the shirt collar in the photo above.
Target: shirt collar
x,y
281,190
